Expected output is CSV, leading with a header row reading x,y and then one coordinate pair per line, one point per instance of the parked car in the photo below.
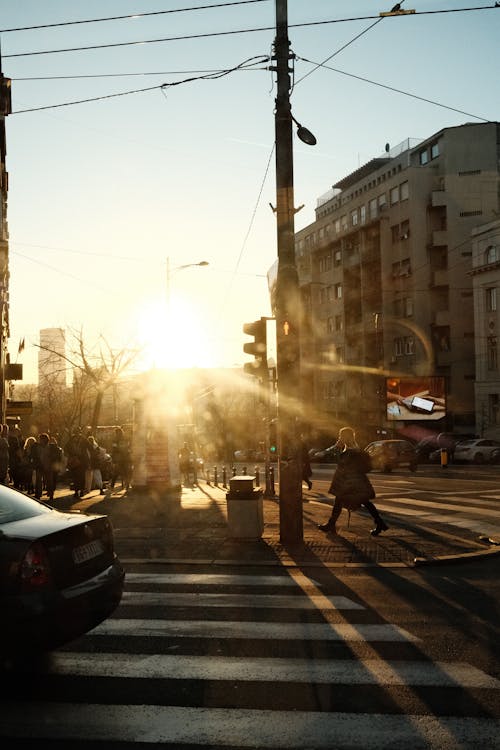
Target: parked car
x,y
59,574
478,451
386,455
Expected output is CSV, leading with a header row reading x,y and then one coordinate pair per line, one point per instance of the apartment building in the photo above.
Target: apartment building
x,y
486,285
385,274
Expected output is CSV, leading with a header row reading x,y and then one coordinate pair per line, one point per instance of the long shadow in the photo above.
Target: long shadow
x,y
444,599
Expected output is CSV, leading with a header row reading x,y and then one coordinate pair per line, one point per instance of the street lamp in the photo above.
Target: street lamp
x,y
171,271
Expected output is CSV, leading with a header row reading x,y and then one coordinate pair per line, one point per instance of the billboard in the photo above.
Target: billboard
x,y
412,398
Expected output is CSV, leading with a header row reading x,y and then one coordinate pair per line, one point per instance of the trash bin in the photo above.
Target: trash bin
x,y
245,514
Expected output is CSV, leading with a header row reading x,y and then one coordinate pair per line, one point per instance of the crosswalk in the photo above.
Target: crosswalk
x,y
223,660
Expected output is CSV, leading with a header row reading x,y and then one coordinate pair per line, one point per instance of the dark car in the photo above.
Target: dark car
x,y
386,455
59,575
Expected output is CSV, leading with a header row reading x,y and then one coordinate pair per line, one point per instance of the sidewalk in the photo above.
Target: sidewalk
x,y
192,527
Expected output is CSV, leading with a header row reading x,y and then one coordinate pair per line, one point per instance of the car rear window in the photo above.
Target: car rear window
x,y
14,506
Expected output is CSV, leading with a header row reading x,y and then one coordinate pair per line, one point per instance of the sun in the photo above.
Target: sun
x,y
172,337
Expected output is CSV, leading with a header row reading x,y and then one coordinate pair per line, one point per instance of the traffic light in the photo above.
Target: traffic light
x,y
273,437
258,347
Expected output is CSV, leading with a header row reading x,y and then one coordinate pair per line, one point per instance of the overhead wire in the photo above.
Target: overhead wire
x,y
189,37
129,16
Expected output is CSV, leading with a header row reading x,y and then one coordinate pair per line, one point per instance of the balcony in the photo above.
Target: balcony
x,y
439,198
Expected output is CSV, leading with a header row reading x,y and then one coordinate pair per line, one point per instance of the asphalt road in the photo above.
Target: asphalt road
x,y
249,657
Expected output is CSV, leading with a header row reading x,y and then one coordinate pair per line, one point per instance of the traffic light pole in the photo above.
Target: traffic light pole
x,y
288,305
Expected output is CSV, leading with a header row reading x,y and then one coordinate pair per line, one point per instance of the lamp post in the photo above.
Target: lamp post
x,y
171,271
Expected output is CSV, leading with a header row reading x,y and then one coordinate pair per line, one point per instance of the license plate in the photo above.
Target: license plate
x,y
87,551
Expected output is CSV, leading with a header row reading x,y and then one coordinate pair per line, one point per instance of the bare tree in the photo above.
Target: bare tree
x,y
95,370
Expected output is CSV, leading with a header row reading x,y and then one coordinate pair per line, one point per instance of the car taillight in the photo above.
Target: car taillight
x,y
34,570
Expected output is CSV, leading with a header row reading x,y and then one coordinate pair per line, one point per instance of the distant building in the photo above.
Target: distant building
x,y
385,276
51,363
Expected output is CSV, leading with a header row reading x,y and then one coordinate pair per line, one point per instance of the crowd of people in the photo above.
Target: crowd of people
x,y
35,465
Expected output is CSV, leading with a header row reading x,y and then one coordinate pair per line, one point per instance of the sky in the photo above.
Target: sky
x,y
105,195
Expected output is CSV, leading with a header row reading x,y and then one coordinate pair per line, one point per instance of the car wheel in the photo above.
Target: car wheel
x,y
479,458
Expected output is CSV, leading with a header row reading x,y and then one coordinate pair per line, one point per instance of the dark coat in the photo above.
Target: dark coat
x,y
350,485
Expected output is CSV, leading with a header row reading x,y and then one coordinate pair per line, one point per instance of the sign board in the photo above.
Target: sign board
x,y
416,398
19,408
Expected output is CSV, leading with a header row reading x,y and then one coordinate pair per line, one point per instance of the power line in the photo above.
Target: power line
x,y
189,37
131,16
161,86
389,88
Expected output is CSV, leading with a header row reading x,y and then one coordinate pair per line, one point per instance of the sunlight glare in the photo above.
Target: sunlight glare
x,y
174,338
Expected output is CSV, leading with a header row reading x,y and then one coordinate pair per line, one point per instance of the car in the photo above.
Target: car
x,y
59,574
386,455
478,451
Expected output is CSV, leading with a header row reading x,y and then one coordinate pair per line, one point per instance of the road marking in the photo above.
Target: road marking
x,y
321,671
217,579
266,601
244,727
258,630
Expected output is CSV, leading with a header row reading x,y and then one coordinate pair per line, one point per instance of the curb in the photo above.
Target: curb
x,y
420,562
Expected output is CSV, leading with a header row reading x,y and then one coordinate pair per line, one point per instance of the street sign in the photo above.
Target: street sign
x,y
19,408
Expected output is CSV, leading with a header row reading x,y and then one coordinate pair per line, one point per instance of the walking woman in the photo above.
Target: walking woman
x,y
350,485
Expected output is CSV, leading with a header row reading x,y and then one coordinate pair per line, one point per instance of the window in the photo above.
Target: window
x,y
398,347
373,208
337,226
409,344
343,222
491,299
491,254
394,195
362,214
339,354
337,257
354,217
492,353
339,323
382,201
408,307
395,233
329,325
404,191
441,338
434,150
423,156
405,230
338,291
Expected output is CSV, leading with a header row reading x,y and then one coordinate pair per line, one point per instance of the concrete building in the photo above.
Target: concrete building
x,y
385,276
51,364
486,284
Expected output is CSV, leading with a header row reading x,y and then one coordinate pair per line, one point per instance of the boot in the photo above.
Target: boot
x,y
381,526
328,527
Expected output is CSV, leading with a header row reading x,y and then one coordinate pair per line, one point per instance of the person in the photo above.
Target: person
x,y
350,485
28,465
306,464
77,450
120,456
15,455
4,455
185,464
49,462
96,457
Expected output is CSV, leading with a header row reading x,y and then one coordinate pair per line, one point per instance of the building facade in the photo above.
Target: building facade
x,y
486,283
385,277
51,363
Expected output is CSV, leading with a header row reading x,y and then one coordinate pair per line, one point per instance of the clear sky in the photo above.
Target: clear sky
x,y
102,193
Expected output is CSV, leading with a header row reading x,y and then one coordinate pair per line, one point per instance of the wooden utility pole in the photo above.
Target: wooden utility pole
x,y
288,304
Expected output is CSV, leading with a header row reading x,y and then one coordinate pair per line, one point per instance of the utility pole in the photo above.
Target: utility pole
x,y
288,303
